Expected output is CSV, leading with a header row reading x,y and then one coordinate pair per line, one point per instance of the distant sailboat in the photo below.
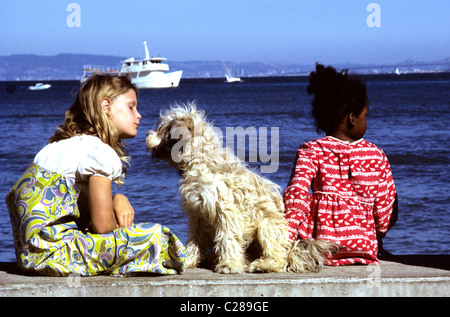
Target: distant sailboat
x,y
230,79
397,71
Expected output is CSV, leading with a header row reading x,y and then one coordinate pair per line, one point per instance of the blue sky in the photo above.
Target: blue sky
x,y
289,31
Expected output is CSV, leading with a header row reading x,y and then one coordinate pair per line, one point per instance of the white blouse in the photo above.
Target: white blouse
x,y
80,157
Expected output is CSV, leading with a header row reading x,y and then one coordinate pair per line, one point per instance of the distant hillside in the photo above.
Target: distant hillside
x,y
59,67
70,67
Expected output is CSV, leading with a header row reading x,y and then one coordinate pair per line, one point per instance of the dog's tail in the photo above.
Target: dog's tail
x,y
309,255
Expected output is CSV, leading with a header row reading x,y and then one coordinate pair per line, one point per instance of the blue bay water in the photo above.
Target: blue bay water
x,y
408,118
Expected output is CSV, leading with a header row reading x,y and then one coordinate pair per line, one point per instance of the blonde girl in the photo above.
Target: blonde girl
x,y
64,217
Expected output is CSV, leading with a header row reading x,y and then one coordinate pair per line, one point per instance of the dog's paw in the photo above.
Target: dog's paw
x,y
191,265
191,262
228,269
266,266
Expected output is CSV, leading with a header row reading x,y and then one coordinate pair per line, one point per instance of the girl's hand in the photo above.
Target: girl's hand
x,y
123,210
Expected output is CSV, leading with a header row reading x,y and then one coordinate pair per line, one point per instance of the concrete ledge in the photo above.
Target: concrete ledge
x,y
411,275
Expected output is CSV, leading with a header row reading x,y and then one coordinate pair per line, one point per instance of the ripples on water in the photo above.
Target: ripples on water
x,y
408,119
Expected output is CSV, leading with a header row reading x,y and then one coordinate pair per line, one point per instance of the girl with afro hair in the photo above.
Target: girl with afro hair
x,y
353,201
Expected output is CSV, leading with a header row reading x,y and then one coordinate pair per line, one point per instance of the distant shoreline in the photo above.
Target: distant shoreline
x,y
70,67
253,79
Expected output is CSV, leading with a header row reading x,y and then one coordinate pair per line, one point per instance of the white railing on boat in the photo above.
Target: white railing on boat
x,y
89,70
100,69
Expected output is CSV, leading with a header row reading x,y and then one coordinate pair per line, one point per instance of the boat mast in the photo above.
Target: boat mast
x,y
227,73
147,54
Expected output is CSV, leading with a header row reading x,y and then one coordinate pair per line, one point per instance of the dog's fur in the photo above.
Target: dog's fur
x,y
228,206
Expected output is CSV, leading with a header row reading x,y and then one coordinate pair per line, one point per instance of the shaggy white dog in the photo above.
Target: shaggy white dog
x,y
229,207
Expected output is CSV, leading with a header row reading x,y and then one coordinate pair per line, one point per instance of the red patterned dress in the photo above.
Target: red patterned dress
x,y
352,199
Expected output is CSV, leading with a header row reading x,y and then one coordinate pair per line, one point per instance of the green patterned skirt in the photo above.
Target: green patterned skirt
x,y
43,208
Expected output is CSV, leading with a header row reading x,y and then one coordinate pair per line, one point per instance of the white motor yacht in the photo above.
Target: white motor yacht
x,y
147,73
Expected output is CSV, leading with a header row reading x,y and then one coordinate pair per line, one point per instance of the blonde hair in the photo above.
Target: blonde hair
x,y
86,115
